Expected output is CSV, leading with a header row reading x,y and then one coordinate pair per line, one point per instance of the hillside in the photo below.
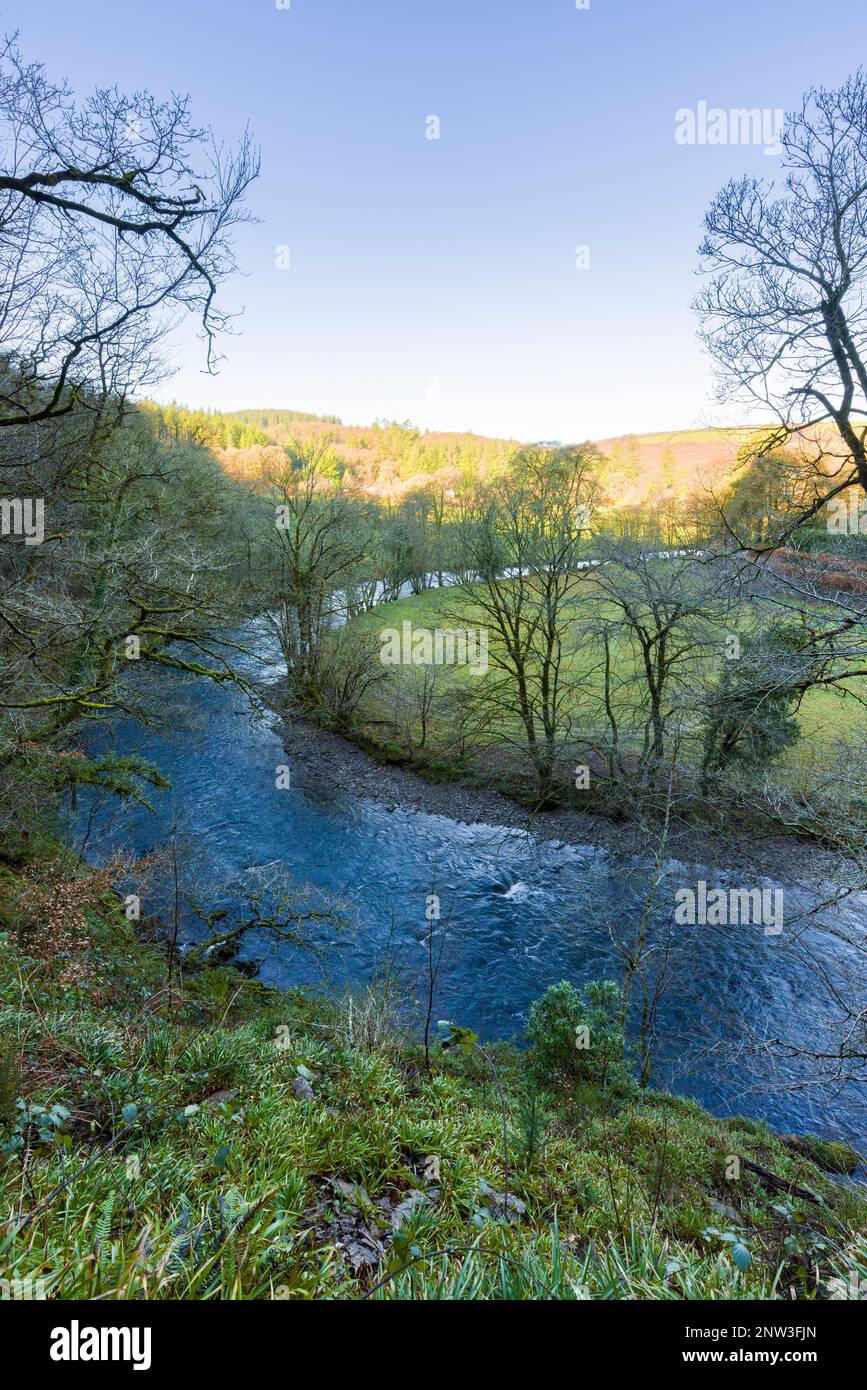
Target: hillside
x,y
391,459
650,467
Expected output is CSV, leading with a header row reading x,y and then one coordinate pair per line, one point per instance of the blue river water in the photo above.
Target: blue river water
x,y
521,914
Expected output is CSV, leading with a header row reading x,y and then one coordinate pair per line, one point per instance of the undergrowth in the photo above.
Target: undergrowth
x,y
206,1137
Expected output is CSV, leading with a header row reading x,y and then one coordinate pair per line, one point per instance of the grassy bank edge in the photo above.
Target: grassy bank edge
x,y
208,1137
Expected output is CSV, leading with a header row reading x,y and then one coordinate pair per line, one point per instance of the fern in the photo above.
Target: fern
x,y
103,1224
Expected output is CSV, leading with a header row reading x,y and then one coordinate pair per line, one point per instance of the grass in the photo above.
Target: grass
x,y
825,718
182,1162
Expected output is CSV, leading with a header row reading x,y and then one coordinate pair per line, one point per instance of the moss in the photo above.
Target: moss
x,y
10,1080
831,1155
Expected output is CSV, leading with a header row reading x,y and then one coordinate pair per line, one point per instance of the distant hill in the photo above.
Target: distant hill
x,y
389,459
650,467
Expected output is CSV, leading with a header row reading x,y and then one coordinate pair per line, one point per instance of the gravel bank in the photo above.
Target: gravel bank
x,y
329,759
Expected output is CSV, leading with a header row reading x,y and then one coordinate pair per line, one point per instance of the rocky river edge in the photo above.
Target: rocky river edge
x,y
332,761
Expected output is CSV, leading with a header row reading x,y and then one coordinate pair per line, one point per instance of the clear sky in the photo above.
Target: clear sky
x,y
436,280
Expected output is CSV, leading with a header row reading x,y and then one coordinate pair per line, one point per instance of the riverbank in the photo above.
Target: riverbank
x,y
524,913
168,1132
327,758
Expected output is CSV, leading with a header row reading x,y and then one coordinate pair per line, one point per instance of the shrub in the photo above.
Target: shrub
x,y
557,1058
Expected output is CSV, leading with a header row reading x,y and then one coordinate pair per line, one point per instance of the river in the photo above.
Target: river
x,y
522,914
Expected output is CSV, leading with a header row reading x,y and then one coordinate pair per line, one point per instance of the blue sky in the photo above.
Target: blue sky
x,y
436,280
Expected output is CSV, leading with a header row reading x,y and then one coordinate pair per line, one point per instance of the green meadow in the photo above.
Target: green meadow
x,y
824,716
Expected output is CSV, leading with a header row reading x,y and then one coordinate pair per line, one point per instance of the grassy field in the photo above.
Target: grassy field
x,y
211,1138
825,717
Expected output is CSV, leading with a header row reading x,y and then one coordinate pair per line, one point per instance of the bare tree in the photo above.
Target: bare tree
x,y
646,955
319,546
521,542
658,620
784,314
115,215
350,669
419,694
